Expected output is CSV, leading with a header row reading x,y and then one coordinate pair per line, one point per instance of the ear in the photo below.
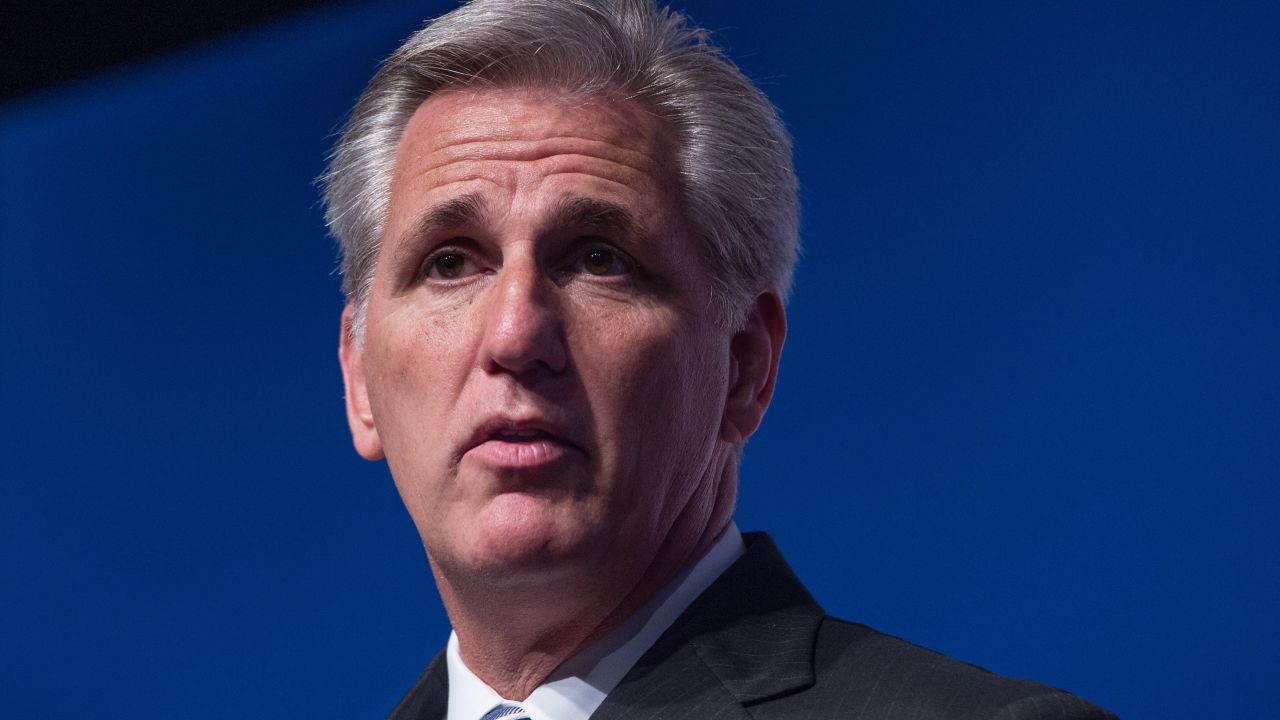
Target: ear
x,y
359,415
754,352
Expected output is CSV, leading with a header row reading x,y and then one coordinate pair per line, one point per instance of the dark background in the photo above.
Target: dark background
x,y
1027,415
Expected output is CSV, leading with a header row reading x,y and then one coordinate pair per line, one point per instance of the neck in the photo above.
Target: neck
x,y
515,638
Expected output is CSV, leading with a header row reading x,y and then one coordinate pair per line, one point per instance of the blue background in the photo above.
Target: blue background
x,y
1027,416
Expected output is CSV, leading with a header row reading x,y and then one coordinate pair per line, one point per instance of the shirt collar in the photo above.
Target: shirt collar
x,y
575,689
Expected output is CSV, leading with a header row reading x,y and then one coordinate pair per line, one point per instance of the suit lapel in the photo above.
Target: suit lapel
x,y
428,699
748,638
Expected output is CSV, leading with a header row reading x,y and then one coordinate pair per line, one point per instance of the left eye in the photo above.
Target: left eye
x,y
604,262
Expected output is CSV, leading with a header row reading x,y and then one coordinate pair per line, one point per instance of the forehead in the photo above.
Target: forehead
x,y
513,143
462,115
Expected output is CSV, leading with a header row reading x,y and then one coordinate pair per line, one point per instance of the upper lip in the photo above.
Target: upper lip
x,y
498,426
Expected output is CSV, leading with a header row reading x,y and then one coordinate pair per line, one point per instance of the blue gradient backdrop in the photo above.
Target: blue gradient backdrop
x,y
1028,413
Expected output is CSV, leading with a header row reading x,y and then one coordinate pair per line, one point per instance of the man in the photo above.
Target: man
x,y
568,229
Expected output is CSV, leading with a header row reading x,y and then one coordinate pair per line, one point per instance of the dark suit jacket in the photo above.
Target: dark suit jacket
x,y
756,645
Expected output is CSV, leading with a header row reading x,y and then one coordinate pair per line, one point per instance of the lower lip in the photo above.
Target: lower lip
x,y
532,454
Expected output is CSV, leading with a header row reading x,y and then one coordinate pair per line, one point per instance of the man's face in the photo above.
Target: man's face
x,y
541,366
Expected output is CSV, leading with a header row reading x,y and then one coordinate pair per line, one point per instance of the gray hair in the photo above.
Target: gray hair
x,y
734,154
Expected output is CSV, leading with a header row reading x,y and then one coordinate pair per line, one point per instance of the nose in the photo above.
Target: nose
x,y
524,332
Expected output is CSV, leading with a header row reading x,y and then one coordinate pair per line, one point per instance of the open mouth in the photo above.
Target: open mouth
x,y
518,435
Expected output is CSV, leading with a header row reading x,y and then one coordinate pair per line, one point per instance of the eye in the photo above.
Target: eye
x,y
605,262
448,265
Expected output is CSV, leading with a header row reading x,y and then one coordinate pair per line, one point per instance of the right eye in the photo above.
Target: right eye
x,y
448,265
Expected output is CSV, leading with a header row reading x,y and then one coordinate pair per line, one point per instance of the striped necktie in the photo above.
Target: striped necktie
x,y
506,712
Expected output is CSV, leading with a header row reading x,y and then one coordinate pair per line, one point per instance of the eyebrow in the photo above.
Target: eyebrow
x,y
453,213
594,214
462,210
571,211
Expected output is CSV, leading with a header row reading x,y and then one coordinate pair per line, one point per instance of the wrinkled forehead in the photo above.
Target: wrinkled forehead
x,y
464,137
523,107
466,115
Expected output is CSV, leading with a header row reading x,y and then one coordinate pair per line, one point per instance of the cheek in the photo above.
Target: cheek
x,y
420,346
419,375
657,393
419,367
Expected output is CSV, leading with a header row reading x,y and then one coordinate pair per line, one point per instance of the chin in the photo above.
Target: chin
x,y
522,540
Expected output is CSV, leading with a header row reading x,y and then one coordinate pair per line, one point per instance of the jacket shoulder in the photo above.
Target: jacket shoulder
x,y
862,673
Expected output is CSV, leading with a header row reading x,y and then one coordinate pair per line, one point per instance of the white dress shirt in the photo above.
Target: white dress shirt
x,y
577,687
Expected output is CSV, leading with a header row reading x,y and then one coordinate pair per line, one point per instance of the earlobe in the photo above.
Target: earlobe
x,y
364,434
755,351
